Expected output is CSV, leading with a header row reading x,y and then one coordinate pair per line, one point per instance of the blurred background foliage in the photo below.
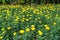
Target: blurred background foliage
x,y
29,1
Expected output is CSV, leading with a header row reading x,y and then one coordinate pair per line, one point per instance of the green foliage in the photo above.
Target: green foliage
x,y
41,22
27,1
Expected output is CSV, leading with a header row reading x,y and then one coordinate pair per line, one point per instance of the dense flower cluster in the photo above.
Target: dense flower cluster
x,y
27,22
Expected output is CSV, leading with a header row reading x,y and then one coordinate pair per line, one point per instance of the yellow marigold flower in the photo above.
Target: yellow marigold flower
x,y
39,21
9,28
40,32
48,12
27,14
27,19
36,19
41,12
31,15
32,25
16,18
3,32
23,10
47,28
8,11
21,31
14,33
35,11
27,29
45,25
3,29
48,17
8,14
22,20
30,18
32,28
31,8
54,23
6,17
1,37
57,15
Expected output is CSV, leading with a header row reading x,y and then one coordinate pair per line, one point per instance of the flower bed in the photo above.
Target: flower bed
x,y
41,22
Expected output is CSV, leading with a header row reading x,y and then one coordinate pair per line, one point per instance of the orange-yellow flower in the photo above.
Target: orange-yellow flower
x,y
47,28
1,37
33,27
40,32
16,18
27,19
27,29
45,25
54,23
3,29
21,31
14,33
9,28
